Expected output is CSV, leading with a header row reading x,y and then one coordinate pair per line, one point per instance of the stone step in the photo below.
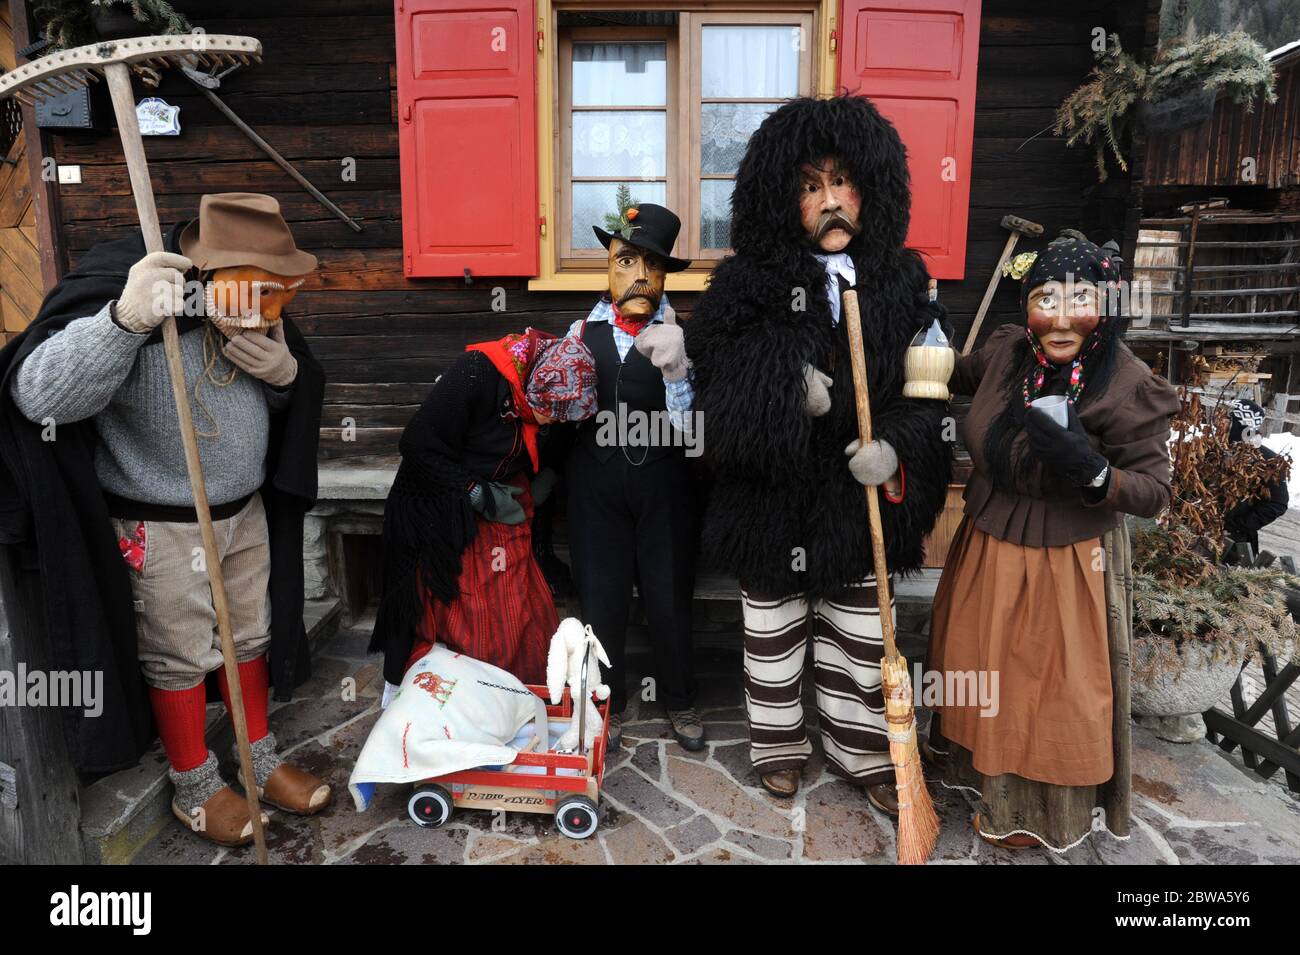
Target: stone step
x,y
918,588
121,812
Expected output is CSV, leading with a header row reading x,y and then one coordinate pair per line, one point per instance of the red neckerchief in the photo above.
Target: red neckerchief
x,y
632,326
514,356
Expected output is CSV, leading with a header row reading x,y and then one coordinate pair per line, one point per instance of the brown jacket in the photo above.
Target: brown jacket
x,y
1128,424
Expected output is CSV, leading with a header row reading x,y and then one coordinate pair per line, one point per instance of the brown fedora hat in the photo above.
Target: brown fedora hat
x,y
243,228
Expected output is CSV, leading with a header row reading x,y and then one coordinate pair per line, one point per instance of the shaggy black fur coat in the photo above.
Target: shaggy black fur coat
x,y
781,478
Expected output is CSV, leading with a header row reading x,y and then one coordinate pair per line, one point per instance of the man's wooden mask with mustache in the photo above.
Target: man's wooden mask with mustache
x,y
636,279
248,298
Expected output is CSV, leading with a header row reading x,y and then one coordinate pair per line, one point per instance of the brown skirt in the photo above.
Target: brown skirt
x,y
1054,624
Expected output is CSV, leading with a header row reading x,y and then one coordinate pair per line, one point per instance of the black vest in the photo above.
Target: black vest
x,y
638,386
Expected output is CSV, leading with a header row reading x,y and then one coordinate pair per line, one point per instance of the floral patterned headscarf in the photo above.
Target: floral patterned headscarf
x,y
556,376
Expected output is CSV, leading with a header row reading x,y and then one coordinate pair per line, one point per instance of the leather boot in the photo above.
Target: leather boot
x,y
782,783
884,796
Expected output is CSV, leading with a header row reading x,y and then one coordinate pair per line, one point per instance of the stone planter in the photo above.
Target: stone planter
x,y
1170,705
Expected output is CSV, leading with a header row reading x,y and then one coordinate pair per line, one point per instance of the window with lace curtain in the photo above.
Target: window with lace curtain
x,y
658,107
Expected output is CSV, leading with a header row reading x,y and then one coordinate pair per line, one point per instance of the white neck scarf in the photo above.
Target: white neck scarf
x,y
837,263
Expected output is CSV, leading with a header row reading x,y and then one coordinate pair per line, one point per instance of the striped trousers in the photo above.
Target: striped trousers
x,y
847,647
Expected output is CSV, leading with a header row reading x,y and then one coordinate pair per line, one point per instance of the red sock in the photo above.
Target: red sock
x,y
255,682
180,716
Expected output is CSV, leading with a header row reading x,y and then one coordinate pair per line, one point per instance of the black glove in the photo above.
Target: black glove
x,y
1064,451
497,502
927,312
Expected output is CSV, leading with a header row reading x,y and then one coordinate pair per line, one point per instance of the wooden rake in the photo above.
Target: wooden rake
x,y
69,70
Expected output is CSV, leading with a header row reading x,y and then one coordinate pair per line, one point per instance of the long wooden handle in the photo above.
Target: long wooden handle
x,y
863,398
988,293
119,85
274,154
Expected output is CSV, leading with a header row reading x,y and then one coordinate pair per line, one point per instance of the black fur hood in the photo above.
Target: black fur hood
x,y
765,204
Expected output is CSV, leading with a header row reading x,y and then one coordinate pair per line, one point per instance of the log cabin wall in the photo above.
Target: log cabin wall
x,y
1215,152
326,94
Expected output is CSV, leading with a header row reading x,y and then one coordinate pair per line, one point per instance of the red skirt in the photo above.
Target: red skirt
x,y
504,615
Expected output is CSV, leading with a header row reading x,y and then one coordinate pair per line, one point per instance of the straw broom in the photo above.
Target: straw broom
x,y
918,824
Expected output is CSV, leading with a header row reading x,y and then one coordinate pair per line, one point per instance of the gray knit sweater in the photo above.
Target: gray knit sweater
x,y
95,368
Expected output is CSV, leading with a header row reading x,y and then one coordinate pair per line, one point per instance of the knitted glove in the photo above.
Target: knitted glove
x,y
542,486
266,357
875,463
665,346
1063,451
146,299
818,385
496,502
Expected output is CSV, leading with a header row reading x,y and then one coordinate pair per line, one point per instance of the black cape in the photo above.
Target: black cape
x,y
53,510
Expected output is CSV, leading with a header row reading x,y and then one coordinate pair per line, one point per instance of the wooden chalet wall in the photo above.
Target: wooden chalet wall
x,y
1212,153
325,94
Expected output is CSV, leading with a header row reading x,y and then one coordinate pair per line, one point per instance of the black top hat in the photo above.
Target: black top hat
x,y
652,228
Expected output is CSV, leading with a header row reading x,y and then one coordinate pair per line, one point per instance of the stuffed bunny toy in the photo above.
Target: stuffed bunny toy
x,y
564,665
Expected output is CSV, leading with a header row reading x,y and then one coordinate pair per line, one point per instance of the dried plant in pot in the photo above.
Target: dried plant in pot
x,y
1197,621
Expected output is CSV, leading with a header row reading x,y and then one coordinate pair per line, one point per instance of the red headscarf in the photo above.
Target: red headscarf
x,y
514,357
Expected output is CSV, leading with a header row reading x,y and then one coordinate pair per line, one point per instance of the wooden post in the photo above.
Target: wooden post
x,y
40,812
1188,266
49,237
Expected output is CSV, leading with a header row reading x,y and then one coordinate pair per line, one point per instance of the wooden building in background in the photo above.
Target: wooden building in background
x,y
1222,238
476,143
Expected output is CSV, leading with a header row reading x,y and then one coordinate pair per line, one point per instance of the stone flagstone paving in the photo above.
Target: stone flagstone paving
x,y
661,804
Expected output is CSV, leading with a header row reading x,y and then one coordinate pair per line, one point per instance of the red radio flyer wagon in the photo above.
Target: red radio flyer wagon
x,y
571,797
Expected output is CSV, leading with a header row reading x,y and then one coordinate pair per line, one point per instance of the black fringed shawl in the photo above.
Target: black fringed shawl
x,y
428,519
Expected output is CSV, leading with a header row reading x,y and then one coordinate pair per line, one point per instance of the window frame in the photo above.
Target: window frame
x,y
569,259
558,274
695,22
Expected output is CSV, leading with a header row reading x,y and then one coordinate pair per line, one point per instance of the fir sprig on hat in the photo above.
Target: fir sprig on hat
x,y
621,224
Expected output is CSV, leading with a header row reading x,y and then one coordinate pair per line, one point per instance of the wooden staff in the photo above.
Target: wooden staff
x,y
918,824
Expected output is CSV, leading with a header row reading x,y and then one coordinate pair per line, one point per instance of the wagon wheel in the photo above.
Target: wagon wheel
x,y
429,806
576,817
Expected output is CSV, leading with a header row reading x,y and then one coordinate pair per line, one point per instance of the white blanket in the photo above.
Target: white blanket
x,y
451,713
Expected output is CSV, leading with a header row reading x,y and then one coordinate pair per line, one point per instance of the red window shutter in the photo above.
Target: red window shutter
x,y
466,116
916,60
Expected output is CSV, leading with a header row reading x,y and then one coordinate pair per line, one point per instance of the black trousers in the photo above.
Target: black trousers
x,y
630,524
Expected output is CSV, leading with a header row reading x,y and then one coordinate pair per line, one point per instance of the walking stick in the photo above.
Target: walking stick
x,y
59,72
918,824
